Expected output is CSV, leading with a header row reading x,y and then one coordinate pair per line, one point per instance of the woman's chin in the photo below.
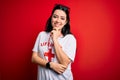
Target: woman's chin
x,y
57,27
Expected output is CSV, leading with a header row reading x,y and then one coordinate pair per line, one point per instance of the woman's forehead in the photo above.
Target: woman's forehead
x,y
59,12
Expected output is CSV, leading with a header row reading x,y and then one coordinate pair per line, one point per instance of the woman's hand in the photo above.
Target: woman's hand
x,y
55,33
59,68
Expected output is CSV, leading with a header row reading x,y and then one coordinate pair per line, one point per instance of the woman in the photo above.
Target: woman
x,y
55,48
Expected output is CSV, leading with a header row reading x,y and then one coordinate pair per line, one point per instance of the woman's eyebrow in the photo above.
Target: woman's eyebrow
x,y
55,14
58,15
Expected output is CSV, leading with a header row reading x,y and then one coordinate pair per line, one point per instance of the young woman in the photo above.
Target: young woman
x,y
55,48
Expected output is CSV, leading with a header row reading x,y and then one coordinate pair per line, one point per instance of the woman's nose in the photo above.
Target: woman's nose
x,y
58,20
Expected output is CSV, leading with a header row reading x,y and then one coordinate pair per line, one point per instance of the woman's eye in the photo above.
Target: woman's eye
x,y
62,18
54,16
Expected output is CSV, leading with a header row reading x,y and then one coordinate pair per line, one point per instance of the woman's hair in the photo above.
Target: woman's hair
x,y
66,28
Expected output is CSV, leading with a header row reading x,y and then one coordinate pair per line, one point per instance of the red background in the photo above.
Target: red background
x,y
95,24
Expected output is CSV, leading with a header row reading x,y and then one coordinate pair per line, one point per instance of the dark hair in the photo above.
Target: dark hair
x,y
66,28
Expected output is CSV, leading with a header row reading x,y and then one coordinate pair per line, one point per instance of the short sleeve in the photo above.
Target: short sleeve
x,y
70,47
36,45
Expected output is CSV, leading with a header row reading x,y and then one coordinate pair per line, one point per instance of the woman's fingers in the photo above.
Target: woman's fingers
x,y
62,69
59,68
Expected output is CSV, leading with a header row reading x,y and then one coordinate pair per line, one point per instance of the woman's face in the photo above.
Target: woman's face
x,y
59,19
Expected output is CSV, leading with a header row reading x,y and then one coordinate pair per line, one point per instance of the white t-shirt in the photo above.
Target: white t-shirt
x,y
45,49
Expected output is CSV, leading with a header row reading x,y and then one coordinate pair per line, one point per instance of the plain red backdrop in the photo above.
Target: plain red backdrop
x,y
95,24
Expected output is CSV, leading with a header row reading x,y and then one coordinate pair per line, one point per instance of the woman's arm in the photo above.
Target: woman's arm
x,y
37,59
61,55
59,68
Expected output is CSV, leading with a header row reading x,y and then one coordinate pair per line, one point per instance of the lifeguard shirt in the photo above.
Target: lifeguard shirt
x,y
45,48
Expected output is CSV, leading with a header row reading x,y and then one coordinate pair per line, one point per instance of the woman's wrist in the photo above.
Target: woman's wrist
x,y
55,39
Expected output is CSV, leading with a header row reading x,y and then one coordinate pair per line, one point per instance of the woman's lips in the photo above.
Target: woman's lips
x,y
56,24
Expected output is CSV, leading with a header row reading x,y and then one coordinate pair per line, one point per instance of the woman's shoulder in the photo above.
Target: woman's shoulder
x,y
70,36
42,33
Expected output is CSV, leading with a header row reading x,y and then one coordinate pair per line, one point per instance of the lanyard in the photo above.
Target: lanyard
x,y
50,42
